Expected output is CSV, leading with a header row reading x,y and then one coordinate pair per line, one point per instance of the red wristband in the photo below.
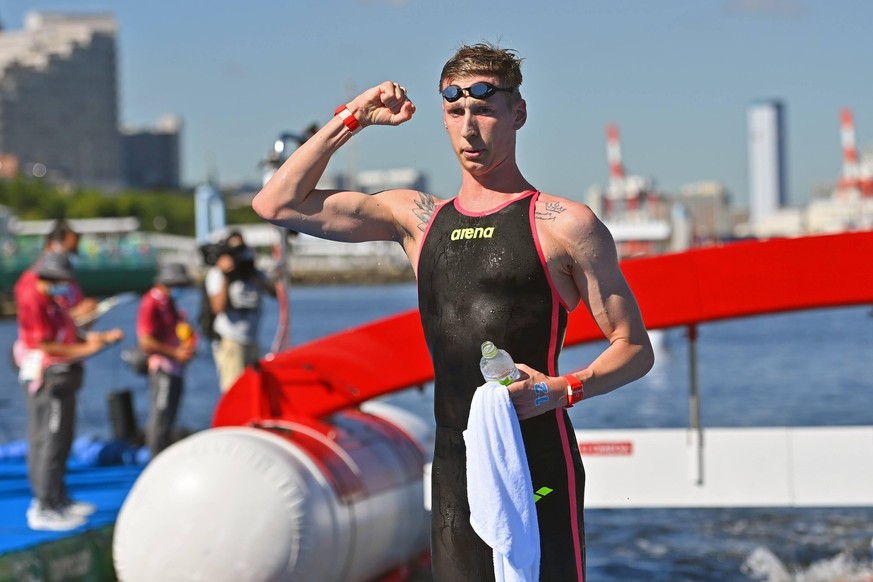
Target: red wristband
x,y
575,392
348,119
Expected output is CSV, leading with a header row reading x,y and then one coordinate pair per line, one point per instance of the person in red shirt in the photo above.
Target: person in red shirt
x,y
167,339
61,239
49,353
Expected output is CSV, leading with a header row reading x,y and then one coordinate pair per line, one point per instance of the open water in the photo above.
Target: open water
x,y
801,369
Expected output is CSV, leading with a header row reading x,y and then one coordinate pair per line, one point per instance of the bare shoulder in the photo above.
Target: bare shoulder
x,y
564,218
412,209
572,231
423,208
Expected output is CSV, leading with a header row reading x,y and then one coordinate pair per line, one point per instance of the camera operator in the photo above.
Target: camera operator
x,y
234,288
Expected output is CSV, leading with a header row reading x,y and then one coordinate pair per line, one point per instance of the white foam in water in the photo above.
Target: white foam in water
x,y
763,565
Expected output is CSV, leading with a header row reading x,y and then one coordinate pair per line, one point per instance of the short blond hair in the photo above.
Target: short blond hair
x,y
484,58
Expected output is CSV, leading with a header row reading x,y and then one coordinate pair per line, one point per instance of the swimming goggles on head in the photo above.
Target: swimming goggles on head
x,y
480,90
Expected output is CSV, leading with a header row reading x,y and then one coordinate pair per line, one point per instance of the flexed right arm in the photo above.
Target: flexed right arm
x,y
290,199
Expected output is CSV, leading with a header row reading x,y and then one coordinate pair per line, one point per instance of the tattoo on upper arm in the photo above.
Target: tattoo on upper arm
x,y
550,212
424,209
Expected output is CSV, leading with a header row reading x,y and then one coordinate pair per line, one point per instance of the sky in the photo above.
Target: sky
x,y
676,77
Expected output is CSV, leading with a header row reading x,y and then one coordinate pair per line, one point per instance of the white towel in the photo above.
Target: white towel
x,y
499,488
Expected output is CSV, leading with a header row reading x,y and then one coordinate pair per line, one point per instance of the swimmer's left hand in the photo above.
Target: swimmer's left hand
x,y
535,393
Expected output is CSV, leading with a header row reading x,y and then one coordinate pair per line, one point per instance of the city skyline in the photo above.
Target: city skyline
x,y
677,82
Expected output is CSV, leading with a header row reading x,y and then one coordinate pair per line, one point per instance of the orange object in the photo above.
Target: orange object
x,y
185,333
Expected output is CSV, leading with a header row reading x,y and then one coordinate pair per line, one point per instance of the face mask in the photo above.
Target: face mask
x,y
59,290
176,293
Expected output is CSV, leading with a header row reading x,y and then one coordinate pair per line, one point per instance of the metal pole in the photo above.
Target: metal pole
x,y
282,148
282,337
696,432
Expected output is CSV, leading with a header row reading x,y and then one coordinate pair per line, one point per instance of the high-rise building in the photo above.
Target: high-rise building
x,y
767,177
58,98
709,207
151,156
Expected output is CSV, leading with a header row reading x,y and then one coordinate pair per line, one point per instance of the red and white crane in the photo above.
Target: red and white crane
x,y
857,176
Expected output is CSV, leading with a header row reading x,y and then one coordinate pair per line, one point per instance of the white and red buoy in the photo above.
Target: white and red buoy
x,y
340,501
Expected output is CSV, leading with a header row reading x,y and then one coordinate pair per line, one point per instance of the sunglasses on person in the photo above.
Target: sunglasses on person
x,y
480,90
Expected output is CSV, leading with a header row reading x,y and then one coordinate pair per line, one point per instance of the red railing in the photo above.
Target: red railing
x,y
706,284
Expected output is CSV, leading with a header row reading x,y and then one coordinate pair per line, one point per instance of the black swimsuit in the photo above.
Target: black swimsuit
x,y
482,276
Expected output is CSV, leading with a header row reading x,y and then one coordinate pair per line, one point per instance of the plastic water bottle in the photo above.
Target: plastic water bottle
x,y
497,365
